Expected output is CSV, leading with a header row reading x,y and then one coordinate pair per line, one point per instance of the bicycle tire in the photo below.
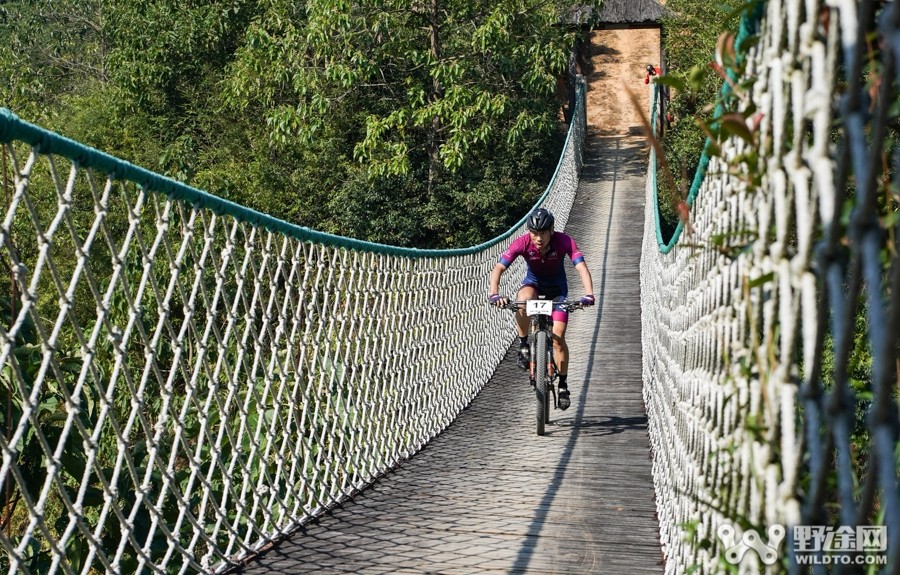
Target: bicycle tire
x,y
540,378
551,377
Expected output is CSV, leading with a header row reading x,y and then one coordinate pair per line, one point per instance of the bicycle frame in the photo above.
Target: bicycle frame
x,y
542,365
543,323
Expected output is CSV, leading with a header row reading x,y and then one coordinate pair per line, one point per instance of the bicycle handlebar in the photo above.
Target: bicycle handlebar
x,y
564,305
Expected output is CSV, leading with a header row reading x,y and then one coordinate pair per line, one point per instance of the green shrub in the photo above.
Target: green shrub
x,y
690,32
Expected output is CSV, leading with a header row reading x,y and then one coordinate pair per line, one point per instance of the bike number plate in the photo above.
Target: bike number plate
x,y
539,307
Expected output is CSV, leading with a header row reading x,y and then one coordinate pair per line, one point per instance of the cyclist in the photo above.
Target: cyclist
x,y
544,251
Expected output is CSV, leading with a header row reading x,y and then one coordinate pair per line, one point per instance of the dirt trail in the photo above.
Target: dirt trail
x,y
616,64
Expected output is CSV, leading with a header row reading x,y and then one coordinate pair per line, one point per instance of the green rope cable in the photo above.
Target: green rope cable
x,y
748,26
12,128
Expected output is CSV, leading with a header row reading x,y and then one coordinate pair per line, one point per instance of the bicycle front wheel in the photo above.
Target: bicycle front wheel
x,y
540,378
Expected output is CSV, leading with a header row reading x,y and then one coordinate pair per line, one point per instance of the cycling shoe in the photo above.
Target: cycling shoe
x,y
563,398
524,357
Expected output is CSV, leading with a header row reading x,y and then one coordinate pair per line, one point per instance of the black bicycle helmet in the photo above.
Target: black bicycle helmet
x,y
539,220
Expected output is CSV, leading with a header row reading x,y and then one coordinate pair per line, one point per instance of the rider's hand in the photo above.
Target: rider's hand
x,y
497,300
587,300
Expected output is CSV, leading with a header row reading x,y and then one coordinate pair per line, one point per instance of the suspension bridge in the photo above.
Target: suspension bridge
x,y
487,495
196,387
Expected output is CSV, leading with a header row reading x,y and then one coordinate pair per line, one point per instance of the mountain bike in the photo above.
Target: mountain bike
x,y
542,370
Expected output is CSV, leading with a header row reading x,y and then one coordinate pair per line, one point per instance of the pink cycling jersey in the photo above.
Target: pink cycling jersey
x,y
544,270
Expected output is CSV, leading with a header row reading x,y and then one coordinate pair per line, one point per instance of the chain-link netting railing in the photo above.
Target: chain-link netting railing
x,y
186,380
770,330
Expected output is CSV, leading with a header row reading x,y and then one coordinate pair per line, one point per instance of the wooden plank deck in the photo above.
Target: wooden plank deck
x,y
490,496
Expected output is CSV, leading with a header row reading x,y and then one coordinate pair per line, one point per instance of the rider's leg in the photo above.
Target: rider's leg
x,y
561,355
525,293
523,357
560,348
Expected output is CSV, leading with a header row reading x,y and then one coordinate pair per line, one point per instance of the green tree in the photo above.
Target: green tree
x,y
691,30
50,51
412,99
322,113
438,78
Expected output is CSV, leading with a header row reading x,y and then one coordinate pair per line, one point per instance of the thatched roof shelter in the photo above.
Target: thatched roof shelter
x,y
624,12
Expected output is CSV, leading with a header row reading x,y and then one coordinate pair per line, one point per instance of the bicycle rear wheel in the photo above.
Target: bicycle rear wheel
x,y
540,378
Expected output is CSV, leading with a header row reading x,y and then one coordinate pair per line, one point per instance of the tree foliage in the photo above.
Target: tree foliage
x,y
432,79
690,33
438,115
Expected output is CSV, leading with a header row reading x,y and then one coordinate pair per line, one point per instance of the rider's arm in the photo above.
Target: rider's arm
x,y
581,267
495,278
586,279
514,250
